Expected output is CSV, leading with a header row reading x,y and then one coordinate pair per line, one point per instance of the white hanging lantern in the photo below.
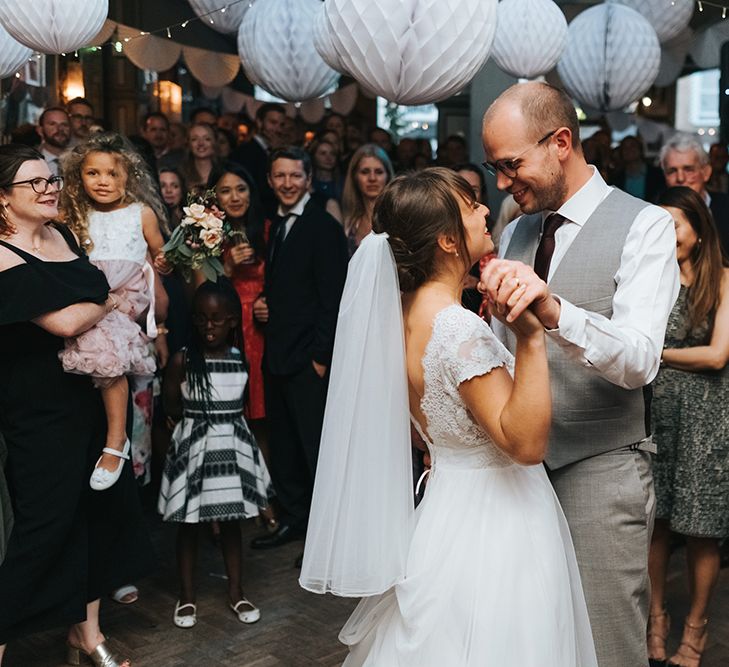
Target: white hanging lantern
x,y
668,17
276,47
612,57
323,40
13,55
673,58
218,15
530,37
412,52
52,26
706,48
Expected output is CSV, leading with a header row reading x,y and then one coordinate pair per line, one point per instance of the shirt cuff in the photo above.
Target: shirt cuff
x,y
571,325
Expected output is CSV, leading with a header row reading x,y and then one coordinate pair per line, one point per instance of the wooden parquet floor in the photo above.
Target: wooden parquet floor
x,y
297,629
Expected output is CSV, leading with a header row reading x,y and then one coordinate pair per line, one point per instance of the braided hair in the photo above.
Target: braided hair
x,y
196,370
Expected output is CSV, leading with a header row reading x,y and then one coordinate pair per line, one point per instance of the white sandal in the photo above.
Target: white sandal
x,y
102,478
188,620
126,594
250,615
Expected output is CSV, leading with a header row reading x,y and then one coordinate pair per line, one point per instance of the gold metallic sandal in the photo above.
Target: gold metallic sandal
x,y
690,651
101,656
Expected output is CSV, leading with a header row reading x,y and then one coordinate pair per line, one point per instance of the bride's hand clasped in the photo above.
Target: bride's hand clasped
x,y
513,287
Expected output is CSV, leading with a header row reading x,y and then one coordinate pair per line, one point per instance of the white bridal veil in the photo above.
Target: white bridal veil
x,y
361,512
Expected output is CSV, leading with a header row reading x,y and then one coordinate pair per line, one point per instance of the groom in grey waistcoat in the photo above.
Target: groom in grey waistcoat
x,y
598,267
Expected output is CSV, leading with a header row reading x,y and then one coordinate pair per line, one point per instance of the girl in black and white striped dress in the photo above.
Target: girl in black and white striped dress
x,y
214,470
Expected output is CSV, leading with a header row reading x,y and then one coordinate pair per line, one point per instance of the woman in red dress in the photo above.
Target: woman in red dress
x,y
244,265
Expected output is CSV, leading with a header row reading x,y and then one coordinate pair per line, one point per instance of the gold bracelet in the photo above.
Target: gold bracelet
x,y
162,329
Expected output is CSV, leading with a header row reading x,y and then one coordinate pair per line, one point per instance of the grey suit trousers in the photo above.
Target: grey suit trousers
x,y
609,502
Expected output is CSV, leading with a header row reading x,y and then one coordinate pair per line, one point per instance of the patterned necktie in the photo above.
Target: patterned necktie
x,y
545,250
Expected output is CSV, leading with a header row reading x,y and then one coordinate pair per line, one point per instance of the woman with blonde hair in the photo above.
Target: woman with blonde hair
x,y
691,427
370,170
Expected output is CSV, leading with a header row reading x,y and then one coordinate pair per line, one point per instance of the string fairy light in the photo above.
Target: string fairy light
x,y
167,30
705,3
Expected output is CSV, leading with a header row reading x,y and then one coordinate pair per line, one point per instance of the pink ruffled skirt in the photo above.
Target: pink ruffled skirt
x,y
116,345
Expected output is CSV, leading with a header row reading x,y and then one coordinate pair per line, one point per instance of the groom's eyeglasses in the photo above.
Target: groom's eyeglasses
x,y
510,166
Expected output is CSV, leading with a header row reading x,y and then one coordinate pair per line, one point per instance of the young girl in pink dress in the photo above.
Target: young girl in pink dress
x,y
111,203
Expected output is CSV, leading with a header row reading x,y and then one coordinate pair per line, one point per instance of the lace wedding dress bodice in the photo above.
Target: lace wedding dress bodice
x,y
462,346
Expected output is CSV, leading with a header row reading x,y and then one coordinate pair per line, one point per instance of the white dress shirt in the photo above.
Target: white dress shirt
x,y
293,213
51,159
625,349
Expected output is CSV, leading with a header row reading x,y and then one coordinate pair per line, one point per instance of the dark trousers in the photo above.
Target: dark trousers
x,y
295,412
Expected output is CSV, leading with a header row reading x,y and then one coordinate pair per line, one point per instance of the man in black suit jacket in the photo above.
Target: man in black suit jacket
x,y
685,162
305,273
253,154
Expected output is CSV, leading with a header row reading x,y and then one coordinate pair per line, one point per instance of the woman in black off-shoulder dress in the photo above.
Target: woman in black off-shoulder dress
x,y
69,545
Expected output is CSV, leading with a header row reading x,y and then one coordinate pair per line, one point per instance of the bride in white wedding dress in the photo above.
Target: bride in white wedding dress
x,y
484,572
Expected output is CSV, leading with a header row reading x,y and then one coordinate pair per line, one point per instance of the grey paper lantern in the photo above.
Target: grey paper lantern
x,y
276,47
13,54
530,37
53,26
412,52
612,57
224,18
669,18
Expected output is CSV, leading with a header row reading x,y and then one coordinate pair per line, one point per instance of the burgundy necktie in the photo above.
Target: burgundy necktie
x,y
545,250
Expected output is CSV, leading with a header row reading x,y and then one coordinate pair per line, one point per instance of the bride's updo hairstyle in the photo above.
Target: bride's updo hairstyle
x,y
417,208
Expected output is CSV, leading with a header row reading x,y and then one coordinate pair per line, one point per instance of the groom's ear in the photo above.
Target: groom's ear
x,y
448,244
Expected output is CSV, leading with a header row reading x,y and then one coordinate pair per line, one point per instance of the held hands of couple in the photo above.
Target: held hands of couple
x,y
512,288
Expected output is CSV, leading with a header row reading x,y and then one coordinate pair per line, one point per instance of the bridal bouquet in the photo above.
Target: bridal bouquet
x,y
198,241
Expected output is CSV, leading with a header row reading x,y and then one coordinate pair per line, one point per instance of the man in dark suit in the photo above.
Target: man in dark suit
x,y
685,162
253,154
305,273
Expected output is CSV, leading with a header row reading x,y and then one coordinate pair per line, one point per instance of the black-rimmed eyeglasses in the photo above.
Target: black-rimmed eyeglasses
x,y
40,185
510,166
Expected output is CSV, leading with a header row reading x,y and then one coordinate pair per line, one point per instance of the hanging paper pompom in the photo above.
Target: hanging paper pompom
x,y
668,17
219,16
323,40
276,47
612,57
53,26
412,52
13,55
530,37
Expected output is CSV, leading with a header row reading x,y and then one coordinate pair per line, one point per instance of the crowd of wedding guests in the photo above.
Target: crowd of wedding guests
x,y
301,200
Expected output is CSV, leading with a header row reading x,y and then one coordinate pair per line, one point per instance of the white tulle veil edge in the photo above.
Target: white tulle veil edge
x,y
362,508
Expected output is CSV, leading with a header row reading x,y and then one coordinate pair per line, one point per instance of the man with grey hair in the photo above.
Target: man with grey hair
x,y
603,282
685,162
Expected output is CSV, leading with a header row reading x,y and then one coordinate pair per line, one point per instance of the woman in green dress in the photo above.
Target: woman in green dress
x,y
691,427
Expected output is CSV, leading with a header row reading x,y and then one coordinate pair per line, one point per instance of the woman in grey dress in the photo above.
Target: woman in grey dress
x,y
691,427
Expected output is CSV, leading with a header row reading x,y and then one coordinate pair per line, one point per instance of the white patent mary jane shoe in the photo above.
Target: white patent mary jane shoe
x,y
102,478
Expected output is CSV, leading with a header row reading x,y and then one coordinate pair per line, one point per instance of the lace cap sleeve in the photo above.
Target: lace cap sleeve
x,y
470,347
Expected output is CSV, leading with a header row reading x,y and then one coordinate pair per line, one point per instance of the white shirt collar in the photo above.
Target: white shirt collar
x,y
707,197
581,205
297,210
262,142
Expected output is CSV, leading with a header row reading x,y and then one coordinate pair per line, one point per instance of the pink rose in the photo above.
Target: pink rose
x,y
212,238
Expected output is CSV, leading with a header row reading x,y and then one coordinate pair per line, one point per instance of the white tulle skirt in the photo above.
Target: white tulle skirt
x,y
491,581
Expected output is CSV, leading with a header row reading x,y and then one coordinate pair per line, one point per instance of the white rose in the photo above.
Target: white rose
x,y
187,221
196,211
212,222
211,238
